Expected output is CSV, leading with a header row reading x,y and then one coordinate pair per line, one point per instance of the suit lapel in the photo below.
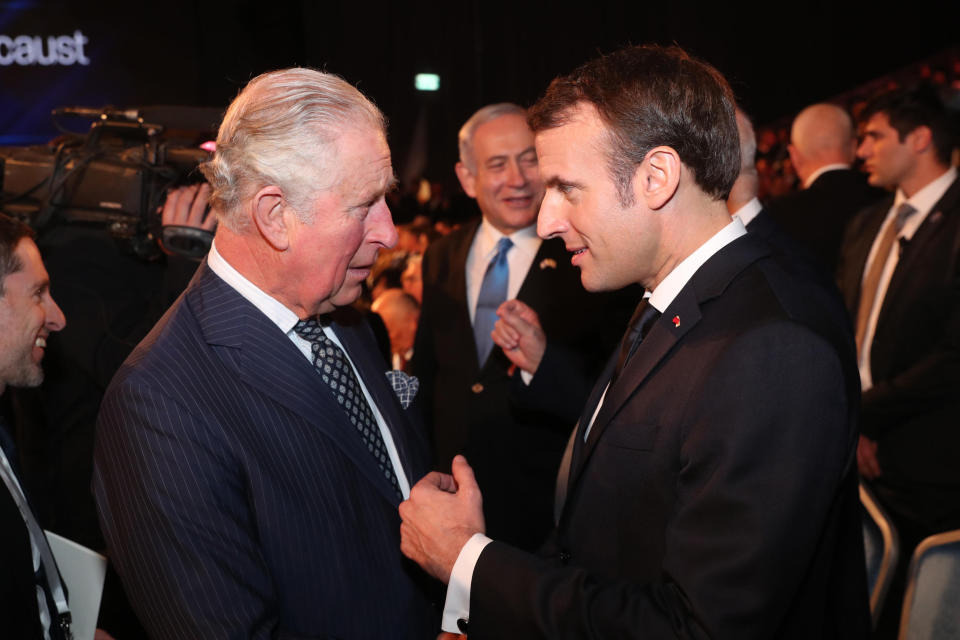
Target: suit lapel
x,y
457,288
914,252
272,365
678,319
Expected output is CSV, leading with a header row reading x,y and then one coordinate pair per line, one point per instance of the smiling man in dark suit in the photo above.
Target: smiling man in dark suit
x,y
900,276
33,601
511,422
251,452
712,490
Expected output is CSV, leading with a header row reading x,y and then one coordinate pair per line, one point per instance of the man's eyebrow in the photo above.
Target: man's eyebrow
x,y
556,181
498,158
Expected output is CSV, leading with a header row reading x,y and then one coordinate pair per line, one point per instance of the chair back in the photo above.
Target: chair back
x,y
931,606
882,547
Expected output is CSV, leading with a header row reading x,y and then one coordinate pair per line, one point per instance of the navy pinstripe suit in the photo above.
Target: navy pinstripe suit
x,y
236,499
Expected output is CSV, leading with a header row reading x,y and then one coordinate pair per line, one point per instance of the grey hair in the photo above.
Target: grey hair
x,y
281,130
481,117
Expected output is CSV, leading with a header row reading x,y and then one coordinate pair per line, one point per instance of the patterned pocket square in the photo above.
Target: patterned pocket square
x,y
404,386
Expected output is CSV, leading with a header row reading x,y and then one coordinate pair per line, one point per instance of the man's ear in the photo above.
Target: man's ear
x,y
796,159
467,180
656,179
920,139
268,214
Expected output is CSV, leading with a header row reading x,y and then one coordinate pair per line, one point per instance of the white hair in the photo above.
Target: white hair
x,y
481,117
281,130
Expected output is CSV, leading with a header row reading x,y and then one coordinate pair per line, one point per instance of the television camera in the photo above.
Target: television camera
x,y
116,175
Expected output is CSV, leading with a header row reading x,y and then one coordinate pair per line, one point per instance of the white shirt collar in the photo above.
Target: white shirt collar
x,y
749,211
822,170
923,201
279,314
526,239
677,279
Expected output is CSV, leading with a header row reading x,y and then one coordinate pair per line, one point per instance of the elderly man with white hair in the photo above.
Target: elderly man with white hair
x,y
252,451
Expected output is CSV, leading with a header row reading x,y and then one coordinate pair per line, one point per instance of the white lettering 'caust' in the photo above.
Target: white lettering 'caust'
x,y
30,50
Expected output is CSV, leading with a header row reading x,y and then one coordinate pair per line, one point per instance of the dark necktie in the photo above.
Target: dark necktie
x,y
335,370
641,321
871,281
493,292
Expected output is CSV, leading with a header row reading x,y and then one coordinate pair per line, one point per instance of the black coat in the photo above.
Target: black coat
x,y
913,409
716,495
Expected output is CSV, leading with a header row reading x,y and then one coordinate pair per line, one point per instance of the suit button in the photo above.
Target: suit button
x,y
462,625
477,387
564,556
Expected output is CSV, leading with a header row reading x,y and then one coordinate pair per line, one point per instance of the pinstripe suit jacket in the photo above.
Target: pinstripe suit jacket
x,y
236,499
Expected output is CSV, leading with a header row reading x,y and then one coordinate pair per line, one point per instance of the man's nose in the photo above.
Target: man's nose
x,y
515,175
382,230
550,221
55,320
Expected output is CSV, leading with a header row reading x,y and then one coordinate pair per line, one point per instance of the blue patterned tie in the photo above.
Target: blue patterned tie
x,y
336,372
493,291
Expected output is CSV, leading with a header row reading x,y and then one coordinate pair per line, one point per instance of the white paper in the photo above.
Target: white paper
x,y
83,572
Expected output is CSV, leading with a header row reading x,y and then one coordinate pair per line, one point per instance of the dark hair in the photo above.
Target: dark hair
x,y
12,231
912,107
650,96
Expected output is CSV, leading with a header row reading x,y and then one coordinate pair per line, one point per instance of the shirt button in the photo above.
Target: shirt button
x,y
564,556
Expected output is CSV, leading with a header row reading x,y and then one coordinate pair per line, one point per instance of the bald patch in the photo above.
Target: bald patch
x,y
823,133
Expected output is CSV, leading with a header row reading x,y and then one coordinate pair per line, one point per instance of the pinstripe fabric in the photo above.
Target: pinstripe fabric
x,y
236,499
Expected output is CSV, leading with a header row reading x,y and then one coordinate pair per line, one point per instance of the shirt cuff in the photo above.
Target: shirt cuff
x,y
457,604
526,377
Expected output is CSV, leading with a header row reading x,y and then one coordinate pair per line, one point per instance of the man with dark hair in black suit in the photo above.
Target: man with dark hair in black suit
x,y
33,603
822,147
712,490
900,276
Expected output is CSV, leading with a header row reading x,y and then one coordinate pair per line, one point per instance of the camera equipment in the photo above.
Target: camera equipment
x,y
116,175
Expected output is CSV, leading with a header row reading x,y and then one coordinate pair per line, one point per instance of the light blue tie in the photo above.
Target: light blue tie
x,y
493,291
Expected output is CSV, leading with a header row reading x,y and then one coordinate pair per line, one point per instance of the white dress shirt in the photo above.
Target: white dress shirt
x,y
286,319
526,243
749,211
457,604
923,201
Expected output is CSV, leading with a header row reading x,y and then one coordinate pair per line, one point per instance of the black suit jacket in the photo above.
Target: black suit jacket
x,y
19,614
236,498
513,435
716,495
817,216
913,409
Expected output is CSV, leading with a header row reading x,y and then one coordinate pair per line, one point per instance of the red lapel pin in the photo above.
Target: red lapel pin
x,y
676,321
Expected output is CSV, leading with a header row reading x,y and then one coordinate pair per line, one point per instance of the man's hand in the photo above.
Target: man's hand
x,y
867,458
519,334
187,207
442,514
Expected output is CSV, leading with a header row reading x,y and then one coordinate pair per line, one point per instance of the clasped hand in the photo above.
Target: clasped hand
x,y
442,514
